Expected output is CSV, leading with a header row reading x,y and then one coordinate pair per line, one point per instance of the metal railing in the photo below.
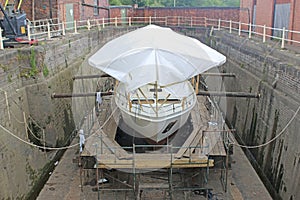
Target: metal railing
x,y
163,110
49,28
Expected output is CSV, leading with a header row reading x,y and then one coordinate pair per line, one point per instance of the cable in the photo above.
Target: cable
x,y
42,147
51,148
274,138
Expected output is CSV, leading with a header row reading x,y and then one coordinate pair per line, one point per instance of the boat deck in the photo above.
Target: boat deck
x,y
197,150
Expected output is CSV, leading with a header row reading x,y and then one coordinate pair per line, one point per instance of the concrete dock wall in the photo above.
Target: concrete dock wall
x,y
29,76
275,74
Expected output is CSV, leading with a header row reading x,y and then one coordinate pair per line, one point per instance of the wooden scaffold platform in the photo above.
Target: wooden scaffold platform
x,y
198,150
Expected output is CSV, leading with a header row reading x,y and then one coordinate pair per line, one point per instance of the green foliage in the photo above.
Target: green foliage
x,y
34,69
45,71
9,78
4,67
179,3
115,2
33,175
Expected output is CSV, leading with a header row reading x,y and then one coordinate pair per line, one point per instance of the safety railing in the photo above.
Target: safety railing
x,y
54,28
163,109
50,28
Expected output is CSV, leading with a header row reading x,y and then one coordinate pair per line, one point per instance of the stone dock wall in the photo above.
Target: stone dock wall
x,y
29,76
275,74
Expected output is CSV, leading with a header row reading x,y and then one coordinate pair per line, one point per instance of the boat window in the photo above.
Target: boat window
x,y
170,125
142,101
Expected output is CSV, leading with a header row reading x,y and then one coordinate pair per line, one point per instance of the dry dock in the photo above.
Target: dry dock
x,y
190,172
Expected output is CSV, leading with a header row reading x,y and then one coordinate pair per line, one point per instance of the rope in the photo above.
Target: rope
x,y
274,138
14,116
51,148
103,123
33,145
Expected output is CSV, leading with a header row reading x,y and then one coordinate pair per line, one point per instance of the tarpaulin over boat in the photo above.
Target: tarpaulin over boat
x,y
153,53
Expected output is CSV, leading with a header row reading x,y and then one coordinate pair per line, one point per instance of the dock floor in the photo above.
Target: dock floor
x,y
64,183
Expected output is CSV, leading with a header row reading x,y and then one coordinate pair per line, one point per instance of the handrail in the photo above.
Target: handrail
x,y
163,111
42,30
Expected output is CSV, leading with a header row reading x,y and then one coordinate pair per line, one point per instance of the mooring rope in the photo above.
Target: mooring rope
x,y
274,138
51,148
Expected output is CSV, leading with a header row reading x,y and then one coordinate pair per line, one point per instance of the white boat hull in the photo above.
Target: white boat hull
x,y
155,118
156,130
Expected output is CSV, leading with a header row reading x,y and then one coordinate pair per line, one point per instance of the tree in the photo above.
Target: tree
x,y
115,2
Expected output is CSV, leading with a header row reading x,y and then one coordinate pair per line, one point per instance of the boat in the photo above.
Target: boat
x,y
153,66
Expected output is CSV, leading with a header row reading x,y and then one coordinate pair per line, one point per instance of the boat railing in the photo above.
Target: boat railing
x,y
164,109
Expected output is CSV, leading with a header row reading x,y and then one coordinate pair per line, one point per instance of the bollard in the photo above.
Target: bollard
x,y
230,26
240,27
129,21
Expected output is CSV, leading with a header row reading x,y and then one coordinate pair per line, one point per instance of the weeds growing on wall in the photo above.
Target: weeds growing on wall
x,y
34,69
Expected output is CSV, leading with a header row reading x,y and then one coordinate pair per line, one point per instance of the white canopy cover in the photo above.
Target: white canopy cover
x,y
154,53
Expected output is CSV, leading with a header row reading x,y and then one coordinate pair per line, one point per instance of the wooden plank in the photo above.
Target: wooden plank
x,y
154,186
160,166
114,147
152,161
195,143
198,126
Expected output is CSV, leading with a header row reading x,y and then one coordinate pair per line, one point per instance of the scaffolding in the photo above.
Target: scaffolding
x,y
170,169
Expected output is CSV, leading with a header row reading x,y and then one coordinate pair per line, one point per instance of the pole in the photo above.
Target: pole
x,y
25,126
63,28
91,76
7,105
1,40
49,32
250,30
228,94
264,34
28,32
283,38
75,27
90,94
219,74
33,13
133,168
